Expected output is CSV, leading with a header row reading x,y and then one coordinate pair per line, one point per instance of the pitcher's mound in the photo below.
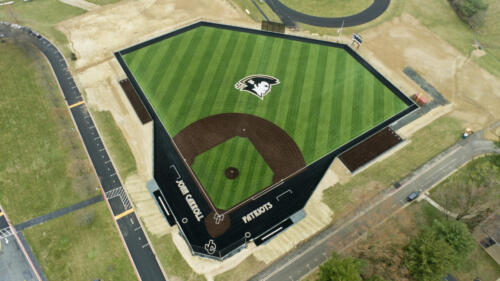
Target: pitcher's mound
x,y
231,173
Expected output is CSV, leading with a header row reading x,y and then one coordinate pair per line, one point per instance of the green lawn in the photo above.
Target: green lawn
x,y
43,166
325,97
84,245
328,8
115,142
172,261
42,16
248,162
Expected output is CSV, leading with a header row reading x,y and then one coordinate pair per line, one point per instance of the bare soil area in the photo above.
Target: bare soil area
x,y
404,41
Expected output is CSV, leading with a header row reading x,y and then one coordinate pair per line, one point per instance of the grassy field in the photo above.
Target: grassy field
x,y
325,97
172,261
341,198
243,271
245,184
42,16
487,167
328,8
84,245
115,142
43,166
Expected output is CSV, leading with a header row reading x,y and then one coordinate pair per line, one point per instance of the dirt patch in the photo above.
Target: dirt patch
x,y
95,35
276,147
404,41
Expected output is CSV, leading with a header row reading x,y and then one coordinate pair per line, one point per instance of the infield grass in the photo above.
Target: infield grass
x,y
325,97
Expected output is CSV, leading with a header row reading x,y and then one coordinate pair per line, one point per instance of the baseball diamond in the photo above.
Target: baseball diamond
x,y
324,98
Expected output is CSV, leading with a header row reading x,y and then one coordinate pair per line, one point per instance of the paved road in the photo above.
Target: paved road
x,y
290,16
15,255
144,260
339,236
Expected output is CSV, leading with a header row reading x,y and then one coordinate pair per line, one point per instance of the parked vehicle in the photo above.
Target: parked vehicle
x,y
414,195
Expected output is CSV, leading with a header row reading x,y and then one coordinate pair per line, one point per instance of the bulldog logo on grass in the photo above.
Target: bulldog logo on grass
x,y
259,85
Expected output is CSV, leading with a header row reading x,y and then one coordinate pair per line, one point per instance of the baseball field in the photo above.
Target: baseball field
x,y
324,98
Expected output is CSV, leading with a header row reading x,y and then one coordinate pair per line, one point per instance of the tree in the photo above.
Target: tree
x,y
470,11
455,234
428,257
341,269
474,189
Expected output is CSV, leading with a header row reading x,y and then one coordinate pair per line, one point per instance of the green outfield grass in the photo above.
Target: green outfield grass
x,y
325,97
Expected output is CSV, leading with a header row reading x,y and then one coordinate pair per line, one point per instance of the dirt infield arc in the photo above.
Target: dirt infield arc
x,y
275,146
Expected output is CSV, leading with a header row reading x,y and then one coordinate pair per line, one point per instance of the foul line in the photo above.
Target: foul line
x,y
129,211
76,104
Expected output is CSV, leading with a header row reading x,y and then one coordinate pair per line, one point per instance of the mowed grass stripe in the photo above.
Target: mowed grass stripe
x,y
174,81
190,92
221,88
335,134
345,126
358,100
307,95
367,105
229,51
245,176
378,101
248,102
279,111
326,104
166,57
142,61
222,163
315,103
230,187
298,83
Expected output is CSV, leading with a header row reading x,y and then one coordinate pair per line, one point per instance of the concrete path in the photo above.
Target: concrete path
x,y
343,233
58,213
82,4
290,16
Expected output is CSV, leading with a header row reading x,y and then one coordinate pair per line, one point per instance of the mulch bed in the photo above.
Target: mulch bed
x,y
136,102
370,149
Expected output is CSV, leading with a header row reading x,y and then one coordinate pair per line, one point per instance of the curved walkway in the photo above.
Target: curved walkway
x,y
290,16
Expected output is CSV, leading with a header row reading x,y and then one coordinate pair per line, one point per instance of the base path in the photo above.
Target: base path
x,y
290,16
344,233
